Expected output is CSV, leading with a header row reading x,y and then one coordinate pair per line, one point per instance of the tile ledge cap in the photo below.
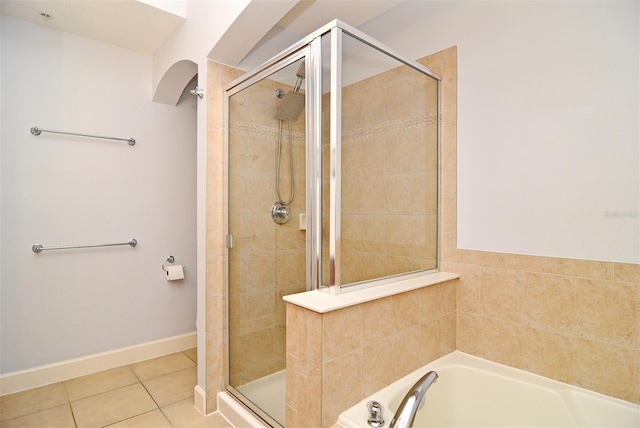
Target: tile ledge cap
x,y
323,302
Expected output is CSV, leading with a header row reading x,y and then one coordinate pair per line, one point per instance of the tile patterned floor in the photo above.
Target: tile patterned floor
x,y
157,393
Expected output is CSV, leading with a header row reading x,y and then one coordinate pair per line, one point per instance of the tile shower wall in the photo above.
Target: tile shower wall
x,y
269,254
389,175
268,259
218,76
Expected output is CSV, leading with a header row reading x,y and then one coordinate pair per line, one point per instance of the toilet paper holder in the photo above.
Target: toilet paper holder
x,y
170,259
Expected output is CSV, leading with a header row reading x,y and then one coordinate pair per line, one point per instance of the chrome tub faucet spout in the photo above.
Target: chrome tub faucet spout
x,y
406,412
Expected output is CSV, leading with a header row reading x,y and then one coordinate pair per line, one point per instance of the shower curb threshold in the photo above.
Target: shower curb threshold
x,y
235,413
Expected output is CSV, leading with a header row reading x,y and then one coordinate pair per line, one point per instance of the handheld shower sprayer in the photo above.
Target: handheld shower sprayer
x,y
289,109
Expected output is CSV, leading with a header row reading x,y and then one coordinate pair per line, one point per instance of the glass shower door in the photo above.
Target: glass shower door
x,y
266,196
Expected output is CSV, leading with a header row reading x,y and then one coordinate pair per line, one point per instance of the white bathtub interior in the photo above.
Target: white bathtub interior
x,y
473,392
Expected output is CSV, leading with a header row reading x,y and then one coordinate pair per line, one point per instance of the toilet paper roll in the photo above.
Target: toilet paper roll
x,y
174,272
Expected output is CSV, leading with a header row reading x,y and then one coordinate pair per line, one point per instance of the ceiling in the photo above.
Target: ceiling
x,y
130,24
141,27
309,15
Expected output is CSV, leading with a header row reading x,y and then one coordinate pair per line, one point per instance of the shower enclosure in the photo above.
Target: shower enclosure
x,y
332,184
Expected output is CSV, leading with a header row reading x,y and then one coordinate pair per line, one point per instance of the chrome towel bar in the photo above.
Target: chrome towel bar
x,y
37,131
38,248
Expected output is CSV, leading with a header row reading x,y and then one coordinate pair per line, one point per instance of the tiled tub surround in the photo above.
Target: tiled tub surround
x,y
572,320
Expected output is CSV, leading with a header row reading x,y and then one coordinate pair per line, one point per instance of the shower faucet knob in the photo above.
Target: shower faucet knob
x,y
280,213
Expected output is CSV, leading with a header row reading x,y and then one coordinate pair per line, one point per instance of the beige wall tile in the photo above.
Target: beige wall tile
x,y
501,294
549,302
501,341
448,333
548,354
406,312
376,321
449,296
636,381
626,272
430,342
468,289
585,268
431,301
406,352
341,380
377,363
604,368
516,261
606,311
342,332
468,339
218,76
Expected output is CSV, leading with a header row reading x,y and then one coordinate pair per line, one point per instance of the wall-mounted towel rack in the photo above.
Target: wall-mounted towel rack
x,y
37,131
38,248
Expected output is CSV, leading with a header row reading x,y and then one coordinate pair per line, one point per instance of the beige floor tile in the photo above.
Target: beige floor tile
x,y
184,415
193,354
162,365
56,417
98,383
153,419
33,400
173,387
113,406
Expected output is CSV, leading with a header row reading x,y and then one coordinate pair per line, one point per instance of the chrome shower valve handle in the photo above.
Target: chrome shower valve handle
x,y
280,213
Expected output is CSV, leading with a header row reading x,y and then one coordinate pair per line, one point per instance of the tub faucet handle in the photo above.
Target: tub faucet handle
x,y
375,414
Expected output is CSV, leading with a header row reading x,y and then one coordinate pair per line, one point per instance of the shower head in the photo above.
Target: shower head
x,y
291,106
300,73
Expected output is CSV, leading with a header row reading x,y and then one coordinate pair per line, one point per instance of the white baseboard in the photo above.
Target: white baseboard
x,y
200,400
69,369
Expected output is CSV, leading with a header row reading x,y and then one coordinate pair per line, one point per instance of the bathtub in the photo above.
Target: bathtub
x,y
473,392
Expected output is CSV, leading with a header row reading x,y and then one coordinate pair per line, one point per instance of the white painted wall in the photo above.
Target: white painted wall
x,y
548,120
59,190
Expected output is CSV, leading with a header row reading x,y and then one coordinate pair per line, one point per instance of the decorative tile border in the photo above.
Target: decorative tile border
x,y
265,132
413,122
